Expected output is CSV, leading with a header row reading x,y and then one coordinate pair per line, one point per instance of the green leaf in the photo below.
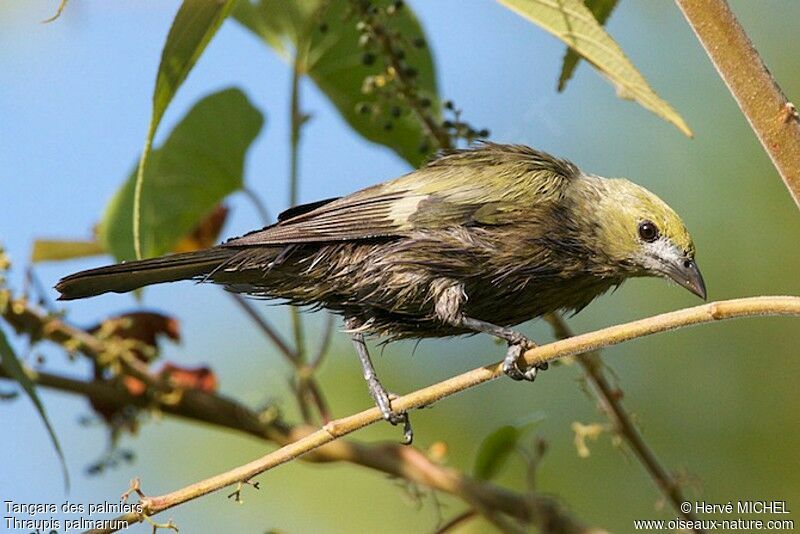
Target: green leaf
x,y
325,37
193,27
573,23
601,9
200,163
14,369
495,451
57,250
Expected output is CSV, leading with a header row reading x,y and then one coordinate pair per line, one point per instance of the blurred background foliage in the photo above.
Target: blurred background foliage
x,y
718,404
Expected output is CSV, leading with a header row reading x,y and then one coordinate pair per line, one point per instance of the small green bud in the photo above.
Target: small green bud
x,y
368,59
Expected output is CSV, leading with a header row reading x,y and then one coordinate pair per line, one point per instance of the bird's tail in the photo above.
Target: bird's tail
x,y
131,275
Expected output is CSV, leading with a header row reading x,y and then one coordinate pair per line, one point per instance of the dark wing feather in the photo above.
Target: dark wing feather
x,y
359,216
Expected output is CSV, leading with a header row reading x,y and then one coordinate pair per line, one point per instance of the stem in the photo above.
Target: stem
x,y
263,213
266,328
771,116
297,120
613,335
611,401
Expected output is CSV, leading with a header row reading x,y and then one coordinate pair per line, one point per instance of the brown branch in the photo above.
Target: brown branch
x,y
399,461
613,335
611,402
395,460
774,120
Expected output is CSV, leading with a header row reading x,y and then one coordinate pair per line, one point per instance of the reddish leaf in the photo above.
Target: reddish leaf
x,y
205,234
199,378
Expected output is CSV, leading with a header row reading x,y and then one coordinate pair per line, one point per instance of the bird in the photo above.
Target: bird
x,y
477,240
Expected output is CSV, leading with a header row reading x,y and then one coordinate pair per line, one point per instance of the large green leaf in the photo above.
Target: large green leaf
x,y
572,22
15,370
200,163
325,37
193,27
601,9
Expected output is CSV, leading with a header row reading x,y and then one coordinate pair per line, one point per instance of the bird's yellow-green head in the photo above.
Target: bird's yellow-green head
x,y
641,232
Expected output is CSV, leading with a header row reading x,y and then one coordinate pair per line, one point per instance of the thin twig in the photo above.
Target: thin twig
x,y
260,207
773,118
306,386
611,402
613,335
324,342
457,521
266,328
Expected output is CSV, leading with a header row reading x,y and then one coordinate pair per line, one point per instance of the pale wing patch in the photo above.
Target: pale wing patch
x,y
402,210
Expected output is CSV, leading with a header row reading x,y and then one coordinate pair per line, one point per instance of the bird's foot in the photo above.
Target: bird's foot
x,y
384,402
516,347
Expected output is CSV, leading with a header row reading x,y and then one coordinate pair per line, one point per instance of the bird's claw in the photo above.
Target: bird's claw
x,y
384,403
511,367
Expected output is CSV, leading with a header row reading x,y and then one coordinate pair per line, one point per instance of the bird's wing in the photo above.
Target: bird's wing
x,y
368,214
372,212
488,185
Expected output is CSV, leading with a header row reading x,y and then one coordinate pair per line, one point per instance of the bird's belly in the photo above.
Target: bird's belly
x,y
390,285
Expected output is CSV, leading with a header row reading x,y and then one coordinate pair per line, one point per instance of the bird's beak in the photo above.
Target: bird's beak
x,y
686,274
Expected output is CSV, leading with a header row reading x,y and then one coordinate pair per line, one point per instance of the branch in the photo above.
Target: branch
x,y
404,462
611,401
774,120
613,335
399,461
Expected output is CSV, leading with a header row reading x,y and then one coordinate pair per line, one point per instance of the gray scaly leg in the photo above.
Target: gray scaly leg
x,y
376,389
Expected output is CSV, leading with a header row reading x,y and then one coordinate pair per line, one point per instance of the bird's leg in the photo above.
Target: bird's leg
x,y
517,344
449,302
376,389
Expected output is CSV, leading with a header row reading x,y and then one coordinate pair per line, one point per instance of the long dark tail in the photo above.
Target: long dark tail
x,y
131,275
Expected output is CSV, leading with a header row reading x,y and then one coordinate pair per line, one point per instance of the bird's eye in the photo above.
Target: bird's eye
x,y
648,231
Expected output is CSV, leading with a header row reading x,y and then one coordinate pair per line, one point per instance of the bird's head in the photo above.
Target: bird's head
x,y
642,234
